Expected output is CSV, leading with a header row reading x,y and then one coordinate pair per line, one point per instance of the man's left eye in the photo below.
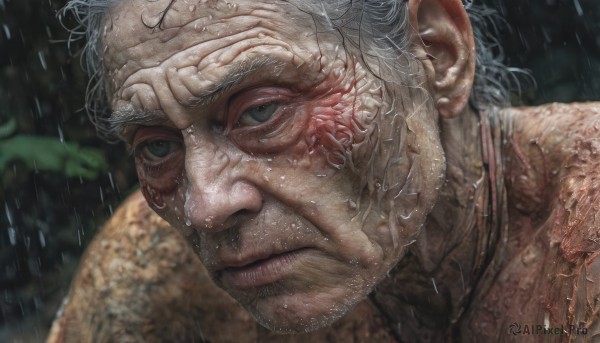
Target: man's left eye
x,y
258,115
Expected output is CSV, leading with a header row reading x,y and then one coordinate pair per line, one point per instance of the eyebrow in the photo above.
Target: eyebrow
x,y
121,118
239,72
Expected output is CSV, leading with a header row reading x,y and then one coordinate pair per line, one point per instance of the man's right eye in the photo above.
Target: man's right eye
x,y
159,149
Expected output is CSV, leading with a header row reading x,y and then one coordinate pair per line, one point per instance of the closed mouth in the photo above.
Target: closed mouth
x,y
261,271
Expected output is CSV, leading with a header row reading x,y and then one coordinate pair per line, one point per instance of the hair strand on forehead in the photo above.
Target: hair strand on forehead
x,y
161,19
379,30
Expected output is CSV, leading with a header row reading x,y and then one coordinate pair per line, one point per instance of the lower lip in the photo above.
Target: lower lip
x,y
262,272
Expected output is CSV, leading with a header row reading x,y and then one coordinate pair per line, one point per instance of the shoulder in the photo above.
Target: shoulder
x,y
546,146
140,277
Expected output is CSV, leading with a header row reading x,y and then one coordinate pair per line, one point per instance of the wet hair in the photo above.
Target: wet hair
x,y
378,29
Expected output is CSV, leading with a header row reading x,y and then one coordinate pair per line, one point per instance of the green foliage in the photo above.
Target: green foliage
x,y
49,154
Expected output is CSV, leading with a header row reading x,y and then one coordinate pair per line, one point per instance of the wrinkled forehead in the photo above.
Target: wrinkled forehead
x,y
145,33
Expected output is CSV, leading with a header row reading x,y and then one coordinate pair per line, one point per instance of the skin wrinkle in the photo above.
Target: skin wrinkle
x,y
364,222
345,110
213,46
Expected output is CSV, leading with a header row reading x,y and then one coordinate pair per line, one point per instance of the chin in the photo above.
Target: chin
x,y
303,312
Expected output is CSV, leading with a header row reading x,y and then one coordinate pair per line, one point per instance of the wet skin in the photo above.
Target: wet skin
x,y
270,151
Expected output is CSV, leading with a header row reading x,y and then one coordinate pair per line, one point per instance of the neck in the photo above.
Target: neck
x,y
430,288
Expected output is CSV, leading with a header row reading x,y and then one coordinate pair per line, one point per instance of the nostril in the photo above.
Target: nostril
x,y
243,213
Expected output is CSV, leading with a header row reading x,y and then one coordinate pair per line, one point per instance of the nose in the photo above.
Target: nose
x,y
217,195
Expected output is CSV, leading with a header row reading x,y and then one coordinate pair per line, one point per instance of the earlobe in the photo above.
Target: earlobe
x,y
444,42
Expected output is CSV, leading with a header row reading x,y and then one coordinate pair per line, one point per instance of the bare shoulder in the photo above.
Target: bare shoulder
x,y
139,281
558,146
555,128
551,265
561,143
547,145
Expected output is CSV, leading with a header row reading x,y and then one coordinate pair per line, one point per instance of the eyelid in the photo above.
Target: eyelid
x,y
254,98
145,134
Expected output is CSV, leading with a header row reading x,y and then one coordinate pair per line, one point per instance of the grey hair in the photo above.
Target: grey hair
x,y
89,15
378,29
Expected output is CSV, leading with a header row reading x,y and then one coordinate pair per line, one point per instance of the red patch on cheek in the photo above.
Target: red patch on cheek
x,y
334,126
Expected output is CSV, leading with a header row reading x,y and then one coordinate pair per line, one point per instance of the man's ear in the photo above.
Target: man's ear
x,y
444,43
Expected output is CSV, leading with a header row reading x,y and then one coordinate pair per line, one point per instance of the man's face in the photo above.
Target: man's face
x,y
295,172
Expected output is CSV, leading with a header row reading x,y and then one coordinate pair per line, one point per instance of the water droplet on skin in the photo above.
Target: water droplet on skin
x,y
351,204
285,305
282,178
188,222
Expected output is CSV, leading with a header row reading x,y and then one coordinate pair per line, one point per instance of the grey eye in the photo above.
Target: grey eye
x,y
158,149
258,115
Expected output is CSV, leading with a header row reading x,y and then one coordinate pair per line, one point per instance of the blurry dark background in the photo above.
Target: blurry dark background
x,y
47,218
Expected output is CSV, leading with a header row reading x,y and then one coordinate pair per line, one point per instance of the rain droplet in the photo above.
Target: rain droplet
x,y
110,178
42,239
6,31
578,7
61,136
12,235
101,196
38,107
434,286
8,214
42,60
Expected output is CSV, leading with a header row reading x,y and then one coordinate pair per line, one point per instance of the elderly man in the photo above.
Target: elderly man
x,y
319,153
